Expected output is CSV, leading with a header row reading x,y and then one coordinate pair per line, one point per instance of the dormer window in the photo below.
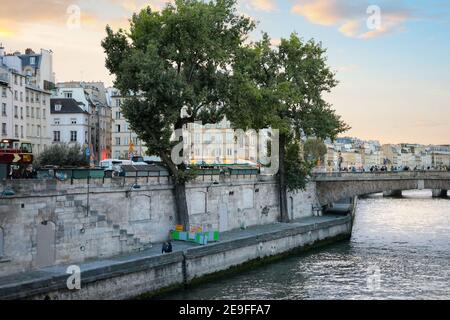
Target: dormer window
x,y
58,107
32,61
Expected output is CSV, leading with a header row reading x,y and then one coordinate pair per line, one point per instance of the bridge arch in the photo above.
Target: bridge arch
x,y
332,188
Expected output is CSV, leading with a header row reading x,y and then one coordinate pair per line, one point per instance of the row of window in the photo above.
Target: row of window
x,y
35,131
73,136
30,96
213,153
120,128
125,141
28,114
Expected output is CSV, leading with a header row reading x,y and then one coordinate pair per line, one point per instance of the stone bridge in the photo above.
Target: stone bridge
x,y
333,187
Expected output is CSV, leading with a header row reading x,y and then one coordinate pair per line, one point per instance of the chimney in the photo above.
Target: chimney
x,y
29,51
2,50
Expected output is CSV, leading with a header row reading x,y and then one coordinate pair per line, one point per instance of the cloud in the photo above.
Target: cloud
x,y
260,5
353,19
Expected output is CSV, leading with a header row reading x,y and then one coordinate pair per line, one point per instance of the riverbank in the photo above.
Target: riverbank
x,y
399,250
148,272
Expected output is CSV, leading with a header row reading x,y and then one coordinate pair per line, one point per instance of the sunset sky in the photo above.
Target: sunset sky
x,y
394,79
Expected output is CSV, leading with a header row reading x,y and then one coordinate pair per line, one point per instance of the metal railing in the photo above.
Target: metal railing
x,y
379,174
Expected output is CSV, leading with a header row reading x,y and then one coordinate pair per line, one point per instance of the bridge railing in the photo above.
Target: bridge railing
x,y
383,174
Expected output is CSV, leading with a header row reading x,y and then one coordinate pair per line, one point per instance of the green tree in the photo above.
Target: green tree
x,y
175,61
282,88
314,150
63,155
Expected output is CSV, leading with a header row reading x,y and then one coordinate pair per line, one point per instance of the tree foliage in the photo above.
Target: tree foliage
x,y
171,62
63,155
297,167
314,149
281,87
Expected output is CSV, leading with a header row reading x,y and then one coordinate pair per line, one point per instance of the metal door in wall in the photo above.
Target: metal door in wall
x,y
291,208
45,244
223,215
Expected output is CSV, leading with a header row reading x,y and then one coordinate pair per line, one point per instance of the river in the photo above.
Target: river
x,y
400,249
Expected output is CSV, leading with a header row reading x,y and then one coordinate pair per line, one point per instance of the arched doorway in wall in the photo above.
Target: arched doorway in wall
x,y
2,242
46,251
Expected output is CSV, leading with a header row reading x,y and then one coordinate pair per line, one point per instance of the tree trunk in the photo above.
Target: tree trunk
x,y
284,214
181,203
182,214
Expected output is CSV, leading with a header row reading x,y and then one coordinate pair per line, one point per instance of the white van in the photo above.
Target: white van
x,y
112,164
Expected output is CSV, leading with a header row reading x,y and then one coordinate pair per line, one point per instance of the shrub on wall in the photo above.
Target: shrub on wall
x,y
63,155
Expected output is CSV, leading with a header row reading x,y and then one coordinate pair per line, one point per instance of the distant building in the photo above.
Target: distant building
x,y
124,141
92,97
220,144
69,122
440,156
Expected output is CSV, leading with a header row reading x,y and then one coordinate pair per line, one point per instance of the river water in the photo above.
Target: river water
x,y
400,249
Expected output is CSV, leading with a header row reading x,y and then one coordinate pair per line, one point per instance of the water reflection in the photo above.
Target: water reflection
x,y
400,249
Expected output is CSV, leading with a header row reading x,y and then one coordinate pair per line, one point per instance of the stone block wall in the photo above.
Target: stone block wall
x,y
109,218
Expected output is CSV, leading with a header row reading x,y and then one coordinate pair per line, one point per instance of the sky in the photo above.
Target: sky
x,y
392,58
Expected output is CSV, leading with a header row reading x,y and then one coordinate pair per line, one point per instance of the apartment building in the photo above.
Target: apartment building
x,y
125,142
25,81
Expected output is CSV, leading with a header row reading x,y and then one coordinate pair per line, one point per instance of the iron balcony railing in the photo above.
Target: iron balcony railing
x,y
4,77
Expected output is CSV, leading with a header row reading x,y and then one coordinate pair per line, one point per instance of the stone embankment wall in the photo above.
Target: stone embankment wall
x,y
51,222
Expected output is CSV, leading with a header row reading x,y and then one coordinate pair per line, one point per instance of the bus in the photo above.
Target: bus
x,y
16,157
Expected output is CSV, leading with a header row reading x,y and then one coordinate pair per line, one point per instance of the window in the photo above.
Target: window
x,y
4,92
21,131
15,79
73,136
4,132
16,131
58,107
32,112
16,95
117,115
118,141
56,136
27,96
16,112
28,111
68,94
56,121
44,116
4,109
32,61
73,121
21,112
21,97
38,113
38,97
38,131
118,128
32,97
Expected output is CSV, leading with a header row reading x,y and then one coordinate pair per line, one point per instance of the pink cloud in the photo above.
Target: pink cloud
x,y
350,18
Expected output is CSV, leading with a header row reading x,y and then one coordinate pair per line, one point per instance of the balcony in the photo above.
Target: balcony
x,y
4,78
